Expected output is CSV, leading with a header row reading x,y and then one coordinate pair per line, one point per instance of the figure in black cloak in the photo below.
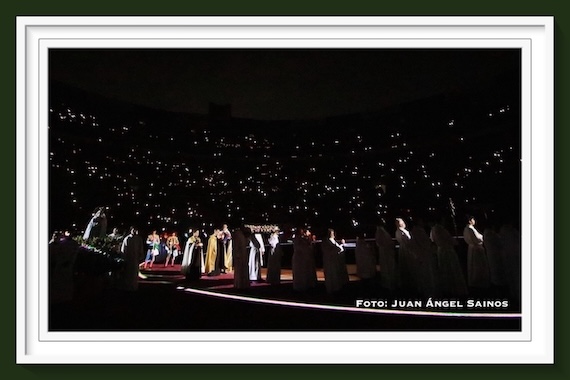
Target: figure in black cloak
x,y
450,274
274,258
387,258
407,260
303,261
193,260
426,256
62,251
334,263
365,258
478,273
240,254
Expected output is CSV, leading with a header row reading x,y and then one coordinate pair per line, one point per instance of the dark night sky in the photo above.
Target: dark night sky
x,y
278,84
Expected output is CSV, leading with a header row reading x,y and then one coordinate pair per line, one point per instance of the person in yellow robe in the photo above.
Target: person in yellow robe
x,y
212,252
227,240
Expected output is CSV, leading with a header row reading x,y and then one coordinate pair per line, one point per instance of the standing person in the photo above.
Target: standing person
x,y
116,239
450,275
478,275
426,257
193,260
172,249
115,235
132,252
212,254
334,263
220,263
274,258
153,245
511,240
163,248
259,237
62,251
240,242
407,260
494,248
365,258
255,255
303,261
228,246
93,229
101,231
386,259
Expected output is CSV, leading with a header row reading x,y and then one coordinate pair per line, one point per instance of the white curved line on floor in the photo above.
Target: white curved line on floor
x,y
350,308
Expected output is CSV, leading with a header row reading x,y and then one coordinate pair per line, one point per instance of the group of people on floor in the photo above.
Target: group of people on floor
x,y
427,262
419,261
241,252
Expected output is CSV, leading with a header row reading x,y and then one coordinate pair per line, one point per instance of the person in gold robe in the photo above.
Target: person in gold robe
x,y
227,240
212,253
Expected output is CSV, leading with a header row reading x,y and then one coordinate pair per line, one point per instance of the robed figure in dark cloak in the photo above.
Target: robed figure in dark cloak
x,y
274,259
386,259
303,261
334,263
365,258
193,259
407,260
240,243
450,274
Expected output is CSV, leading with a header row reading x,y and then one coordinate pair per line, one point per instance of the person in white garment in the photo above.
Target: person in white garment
x,y
259,238
256,250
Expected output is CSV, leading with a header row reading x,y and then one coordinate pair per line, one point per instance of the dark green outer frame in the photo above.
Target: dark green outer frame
x,y
290,7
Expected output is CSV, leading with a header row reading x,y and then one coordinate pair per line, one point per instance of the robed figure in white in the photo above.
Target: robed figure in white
x,y
255,257
96,228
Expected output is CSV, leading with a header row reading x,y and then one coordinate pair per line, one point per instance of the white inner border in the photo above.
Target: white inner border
x,y
533,35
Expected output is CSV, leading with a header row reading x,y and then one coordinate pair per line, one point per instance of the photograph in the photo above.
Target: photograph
x,y
318,184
